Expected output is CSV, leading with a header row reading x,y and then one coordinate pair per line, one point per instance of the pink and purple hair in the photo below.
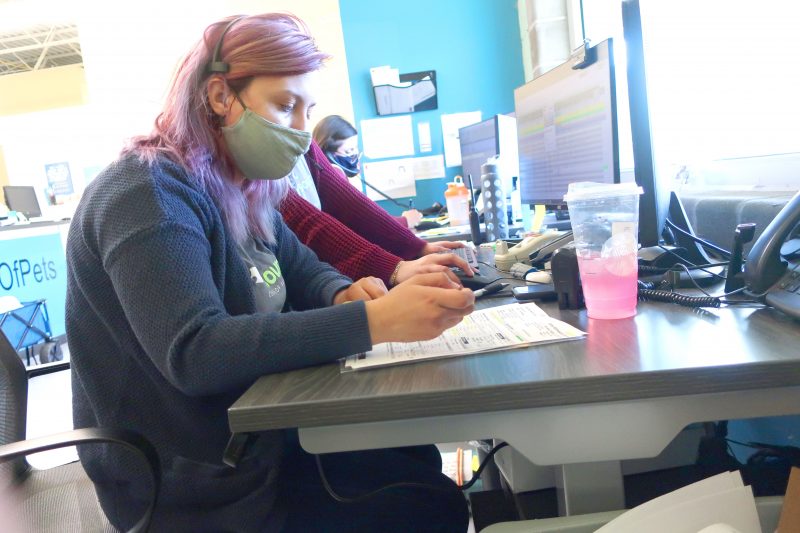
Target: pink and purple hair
x,y
188,131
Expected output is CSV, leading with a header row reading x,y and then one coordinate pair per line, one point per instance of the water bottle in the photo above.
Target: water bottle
x,y
494,202
457,199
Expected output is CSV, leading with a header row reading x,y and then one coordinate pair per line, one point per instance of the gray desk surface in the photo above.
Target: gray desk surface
x,y
666,350
463,234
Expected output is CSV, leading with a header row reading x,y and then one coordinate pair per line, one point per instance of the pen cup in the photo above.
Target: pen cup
x,y
605,223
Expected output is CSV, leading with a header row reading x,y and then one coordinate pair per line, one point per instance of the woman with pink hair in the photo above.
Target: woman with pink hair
x,y
185,285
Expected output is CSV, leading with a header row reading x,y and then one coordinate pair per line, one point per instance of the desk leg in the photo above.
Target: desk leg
x,y
589,488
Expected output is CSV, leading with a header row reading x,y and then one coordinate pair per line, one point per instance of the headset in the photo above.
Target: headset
x,y
217,65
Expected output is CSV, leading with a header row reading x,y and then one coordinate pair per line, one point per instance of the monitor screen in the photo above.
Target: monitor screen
x,y
22,199
495,136
567,128
478,142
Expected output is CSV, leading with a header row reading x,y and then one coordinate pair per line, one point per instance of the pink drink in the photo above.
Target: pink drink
x,y
609,285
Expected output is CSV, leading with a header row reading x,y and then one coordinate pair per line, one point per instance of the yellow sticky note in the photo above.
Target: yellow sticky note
x,y
538,217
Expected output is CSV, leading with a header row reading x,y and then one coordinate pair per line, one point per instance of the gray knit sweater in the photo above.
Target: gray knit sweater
x,y
164,337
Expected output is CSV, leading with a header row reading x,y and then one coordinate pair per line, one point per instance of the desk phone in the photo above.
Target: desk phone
x,y
536,248
772,270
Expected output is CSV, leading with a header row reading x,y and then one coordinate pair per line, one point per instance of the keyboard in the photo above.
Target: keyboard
x,y
467,253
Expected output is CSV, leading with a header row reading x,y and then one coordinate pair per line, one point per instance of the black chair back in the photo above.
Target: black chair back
x,y
13,405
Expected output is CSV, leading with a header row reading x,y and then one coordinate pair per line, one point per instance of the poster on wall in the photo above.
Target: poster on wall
x,y
59,178
450,125
395,177
387,137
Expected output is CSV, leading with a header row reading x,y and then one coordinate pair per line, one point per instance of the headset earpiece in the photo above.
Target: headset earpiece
x,y
217,65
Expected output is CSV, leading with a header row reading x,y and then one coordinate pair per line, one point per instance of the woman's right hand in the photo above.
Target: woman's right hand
x,y
431,263
419,309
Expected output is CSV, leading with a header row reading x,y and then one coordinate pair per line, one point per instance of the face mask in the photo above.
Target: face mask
x,y
349,163
262,149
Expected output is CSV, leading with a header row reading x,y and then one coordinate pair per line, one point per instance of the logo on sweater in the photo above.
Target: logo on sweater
x,y
270,276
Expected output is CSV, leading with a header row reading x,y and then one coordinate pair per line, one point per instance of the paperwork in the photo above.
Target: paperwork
x,y
486,330
721,501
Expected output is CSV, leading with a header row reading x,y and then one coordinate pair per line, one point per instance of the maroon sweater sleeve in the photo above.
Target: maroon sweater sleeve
x,y
334,242
355,210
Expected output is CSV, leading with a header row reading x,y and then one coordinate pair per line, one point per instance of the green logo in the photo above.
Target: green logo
x,y
272,274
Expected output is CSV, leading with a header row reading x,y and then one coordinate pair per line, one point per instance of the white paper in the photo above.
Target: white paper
x,y
718,483
395,177
429,167
450,126
384,75
424,134
486,330
387,137
403,97
719,499
735,507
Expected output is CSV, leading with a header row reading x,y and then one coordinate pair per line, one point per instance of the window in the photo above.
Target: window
x,y
722,87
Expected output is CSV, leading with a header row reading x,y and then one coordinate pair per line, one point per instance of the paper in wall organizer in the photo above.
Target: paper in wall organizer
x,y
415,91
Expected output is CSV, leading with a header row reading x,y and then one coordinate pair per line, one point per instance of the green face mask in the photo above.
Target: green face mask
x,y
262,149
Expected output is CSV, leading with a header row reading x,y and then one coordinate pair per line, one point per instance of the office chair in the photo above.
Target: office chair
x,y
61,498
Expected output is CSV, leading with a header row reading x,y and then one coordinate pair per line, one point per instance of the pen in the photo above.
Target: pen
x,y
490,289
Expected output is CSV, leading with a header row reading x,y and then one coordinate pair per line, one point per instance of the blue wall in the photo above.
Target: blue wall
x,y
473,45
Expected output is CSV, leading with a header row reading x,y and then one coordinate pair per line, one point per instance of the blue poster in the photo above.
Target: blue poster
x,y
59,178
33,268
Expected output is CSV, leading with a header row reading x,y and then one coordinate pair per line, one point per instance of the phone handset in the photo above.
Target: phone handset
x,y
766,271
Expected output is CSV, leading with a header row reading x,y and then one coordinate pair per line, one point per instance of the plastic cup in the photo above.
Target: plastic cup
x,y
605,224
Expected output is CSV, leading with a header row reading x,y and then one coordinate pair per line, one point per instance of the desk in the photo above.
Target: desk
x,y
624,392
459,233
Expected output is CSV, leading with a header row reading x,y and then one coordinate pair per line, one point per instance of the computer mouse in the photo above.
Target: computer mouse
x,y
475,282
539,276
427,224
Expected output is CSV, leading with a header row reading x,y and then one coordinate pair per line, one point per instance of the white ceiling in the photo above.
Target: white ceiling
x,y
38,47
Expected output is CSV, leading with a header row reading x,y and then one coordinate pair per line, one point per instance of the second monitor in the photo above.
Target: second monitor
x,y
567,128
492,137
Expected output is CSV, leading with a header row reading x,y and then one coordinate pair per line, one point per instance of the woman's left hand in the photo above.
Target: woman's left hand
x,y
364,289
441,246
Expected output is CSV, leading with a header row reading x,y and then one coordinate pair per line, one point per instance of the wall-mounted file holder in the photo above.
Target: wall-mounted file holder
x,y
415,92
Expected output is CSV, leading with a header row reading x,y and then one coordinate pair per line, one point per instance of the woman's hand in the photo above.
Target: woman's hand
x,y
419,309
412,217
364,289
441,246
432,263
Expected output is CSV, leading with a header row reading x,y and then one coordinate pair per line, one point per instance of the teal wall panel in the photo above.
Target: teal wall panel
x,y
473,45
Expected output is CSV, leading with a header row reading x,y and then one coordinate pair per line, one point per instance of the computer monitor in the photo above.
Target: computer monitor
x,y
657,203
567,128
654,202
492,137
22,199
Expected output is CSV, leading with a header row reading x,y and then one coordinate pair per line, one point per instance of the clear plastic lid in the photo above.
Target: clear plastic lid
x,y
588,190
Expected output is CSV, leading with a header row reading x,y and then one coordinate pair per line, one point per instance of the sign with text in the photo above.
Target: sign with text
x,y
33,268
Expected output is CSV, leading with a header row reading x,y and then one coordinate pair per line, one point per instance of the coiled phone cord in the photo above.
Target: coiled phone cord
x,y
677,298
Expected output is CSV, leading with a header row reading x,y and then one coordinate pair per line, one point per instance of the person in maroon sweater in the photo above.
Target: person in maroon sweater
x,y
355,235
338,140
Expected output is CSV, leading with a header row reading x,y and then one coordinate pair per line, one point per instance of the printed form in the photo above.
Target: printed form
x,y
486,330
